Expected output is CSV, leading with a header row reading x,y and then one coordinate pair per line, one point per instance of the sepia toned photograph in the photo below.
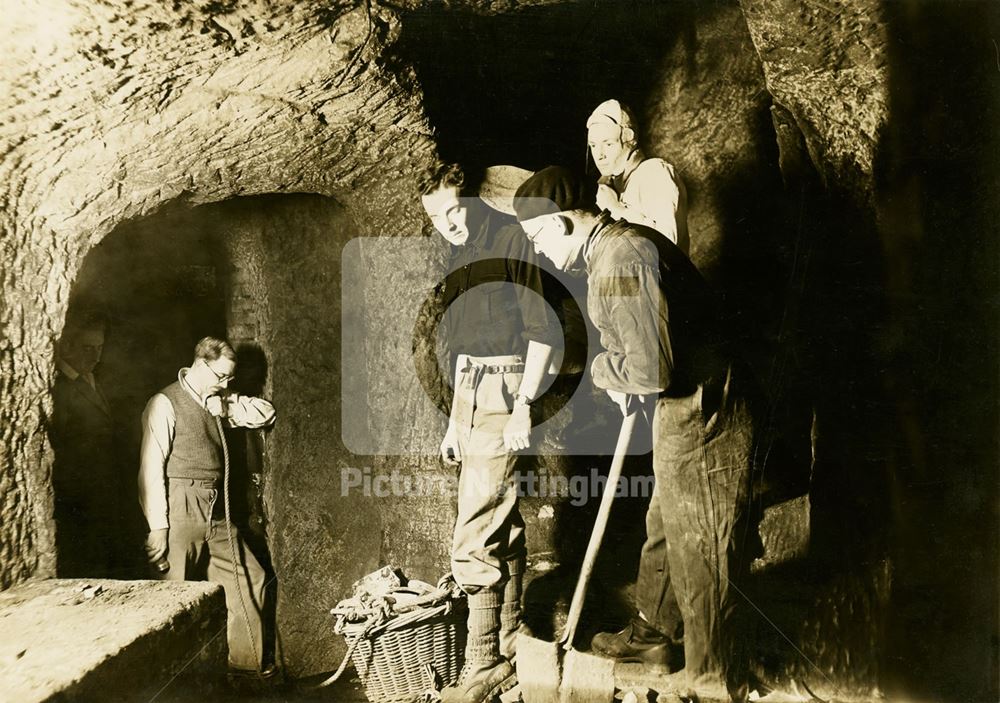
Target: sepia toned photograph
x,y
500,351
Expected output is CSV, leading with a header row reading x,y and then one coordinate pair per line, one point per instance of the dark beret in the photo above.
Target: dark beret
x,y
553,189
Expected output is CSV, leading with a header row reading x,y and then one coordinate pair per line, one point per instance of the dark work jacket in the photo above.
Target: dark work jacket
x,y
86,481
82,437
486,315
659,320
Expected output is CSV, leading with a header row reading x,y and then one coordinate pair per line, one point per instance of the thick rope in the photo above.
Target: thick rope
x,y
232,547
384,617
369,626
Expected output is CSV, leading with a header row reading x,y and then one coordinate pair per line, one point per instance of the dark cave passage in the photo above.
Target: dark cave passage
x,y
159,283
517,88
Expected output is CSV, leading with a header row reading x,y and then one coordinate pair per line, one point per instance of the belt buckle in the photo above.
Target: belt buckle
x,y
471,365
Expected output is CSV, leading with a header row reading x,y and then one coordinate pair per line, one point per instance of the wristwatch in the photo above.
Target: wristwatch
x,y
522,399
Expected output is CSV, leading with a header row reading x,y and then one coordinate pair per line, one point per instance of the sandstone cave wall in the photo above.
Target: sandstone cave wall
x,y
751,230
113,111
152,105
691,77
882,114
319,539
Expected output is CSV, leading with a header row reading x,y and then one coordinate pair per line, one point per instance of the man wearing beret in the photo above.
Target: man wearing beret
x,y
501,338
661,336
633,188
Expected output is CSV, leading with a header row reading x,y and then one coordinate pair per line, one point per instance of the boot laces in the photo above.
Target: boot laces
x,y
465,673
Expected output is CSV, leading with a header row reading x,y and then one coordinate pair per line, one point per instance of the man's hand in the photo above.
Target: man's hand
x,y
607,199
156,545
517,431
628,402
450,452
215,405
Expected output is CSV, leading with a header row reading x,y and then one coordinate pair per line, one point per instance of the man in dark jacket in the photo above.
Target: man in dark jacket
x,y
85,478
662,337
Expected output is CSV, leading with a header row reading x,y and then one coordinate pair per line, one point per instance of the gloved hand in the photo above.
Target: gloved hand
x,y
450,452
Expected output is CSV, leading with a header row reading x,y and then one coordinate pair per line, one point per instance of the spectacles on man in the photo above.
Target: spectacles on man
x,y
220,377
533,231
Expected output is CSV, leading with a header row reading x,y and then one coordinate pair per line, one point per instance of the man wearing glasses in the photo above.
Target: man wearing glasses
x,y
180,481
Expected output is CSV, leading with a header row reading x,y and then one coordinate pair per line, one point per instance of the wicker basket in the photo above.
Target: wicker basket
x,y
392,659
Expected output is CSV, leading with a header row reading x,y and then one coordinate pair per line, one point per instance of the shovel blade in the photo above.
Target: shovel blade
x,y
587,678
537,669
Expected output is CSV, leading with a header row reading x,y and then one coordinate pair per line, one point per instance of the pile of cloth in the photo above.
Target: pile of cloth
x,y
387,593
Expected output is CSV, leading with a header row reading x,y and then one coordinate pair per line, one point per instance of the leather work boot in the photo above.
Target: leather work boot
x,y
481,682
248,681
486,673
639,642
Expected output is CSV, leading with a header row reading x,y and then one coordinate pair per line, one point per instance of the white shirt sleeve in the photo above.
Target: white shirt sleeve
x,y
652,197
249,411
158,422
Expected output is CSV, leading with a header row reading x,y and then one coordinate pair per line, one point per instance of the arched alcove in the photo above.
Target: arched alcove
x,y
265,273
160,283
175,133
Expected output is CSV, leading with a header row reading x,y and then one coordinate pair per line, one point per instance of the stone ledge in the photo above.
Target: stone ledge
x,y
97,639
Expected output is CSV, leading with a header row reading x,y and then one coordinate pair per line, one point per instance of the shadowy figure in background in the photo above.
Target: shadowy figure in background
x,y
85,477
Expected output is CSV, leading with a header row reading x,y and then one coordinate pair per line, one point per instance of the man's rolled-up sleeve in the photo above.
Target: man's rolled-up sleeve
x,y
634,331
249,412
540,322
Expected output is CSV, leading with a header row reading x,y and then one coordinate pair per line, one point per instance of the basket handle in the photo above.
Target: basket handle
x,y
432,598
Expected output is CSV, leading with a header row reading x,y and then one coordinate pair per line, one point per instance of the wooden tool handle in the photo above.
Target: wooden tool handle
x,y
610,488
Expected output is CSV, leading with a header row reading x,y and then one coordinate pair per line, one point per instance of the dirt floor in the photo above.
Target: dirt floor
x,y
116,638
347,690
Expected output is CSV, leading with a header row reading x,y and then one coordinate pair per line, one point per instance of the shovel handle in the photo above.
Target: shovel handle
x,y
603,513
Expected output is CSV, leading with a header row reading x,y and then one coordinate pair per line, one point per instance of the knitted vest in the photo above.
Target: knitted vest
x,y
197,449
